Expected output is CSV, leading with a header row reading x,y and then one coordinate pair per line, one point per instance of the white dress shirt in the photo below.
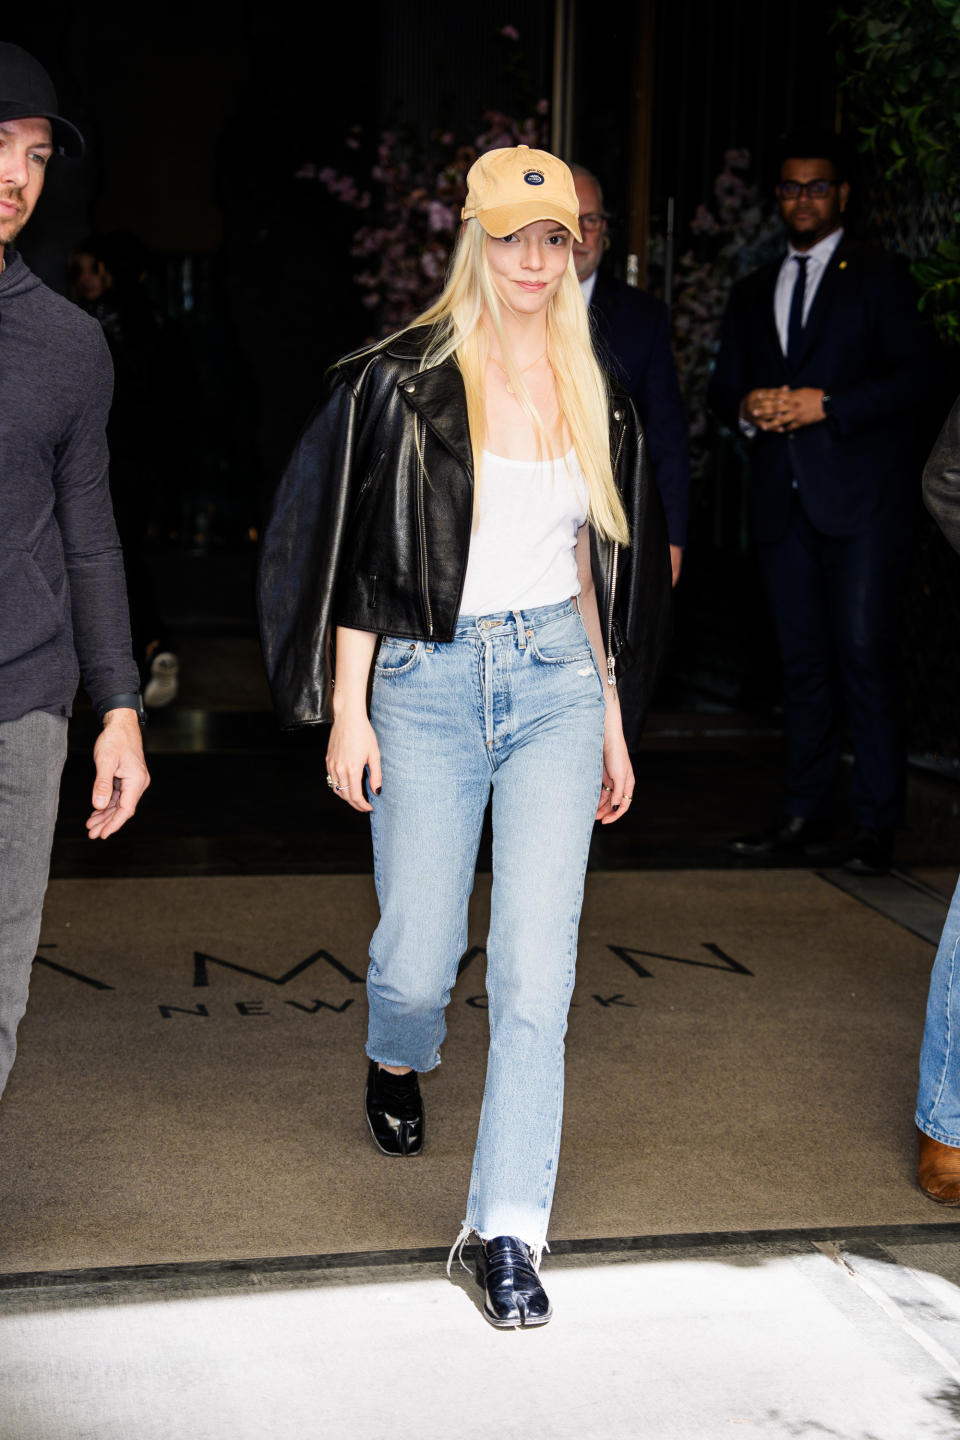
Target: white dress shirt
x,y
587,287
818,258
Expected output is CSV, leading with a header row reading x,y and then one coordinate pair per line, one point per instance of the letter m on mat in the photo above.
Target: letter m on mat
x,y
201,977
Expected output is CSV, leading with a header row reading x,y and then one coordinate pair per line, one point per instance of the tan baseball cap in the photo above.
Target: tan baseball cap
x,y
512,187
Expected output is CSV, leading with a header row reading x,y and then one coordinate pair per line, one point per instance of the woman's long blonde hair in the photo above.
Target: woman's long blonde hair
x,y
582,391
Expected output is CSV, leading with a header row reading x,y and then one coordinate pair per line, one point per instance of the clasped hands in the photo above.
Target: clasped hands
x,y
783,409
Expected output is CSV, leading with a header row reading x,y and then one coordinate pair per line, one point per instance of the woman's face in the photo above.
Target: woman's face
x,y
528,265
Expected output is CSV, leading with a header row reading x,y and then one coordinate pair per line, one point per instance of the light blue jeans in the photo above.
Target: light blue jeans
x,y
515,702
938,1098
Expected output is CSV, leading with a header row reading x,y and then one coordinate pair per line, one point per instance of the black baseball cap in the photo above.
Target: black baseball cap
x,y
26,89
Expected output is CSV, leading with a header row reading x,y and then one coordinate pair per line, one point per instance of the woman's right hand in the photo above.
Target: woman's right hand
x,y
353,746
352,749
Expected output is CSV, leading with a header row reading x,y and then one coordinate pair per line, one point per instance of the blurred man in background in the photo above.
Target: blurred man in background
x,y
107,276
633,334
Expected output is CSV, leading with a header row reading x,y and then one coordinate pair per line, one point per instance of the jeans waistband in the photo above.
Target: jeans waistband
x,y
510,621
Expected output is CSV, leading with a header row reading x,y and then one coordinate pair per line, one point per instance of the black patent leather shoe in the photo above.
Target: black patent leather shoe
x,y
871,853
394,1111
792,836
514,1298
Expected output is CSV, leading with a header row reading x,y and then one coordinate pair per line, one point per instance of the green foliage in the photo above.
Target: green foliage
x,y
938,276
900,64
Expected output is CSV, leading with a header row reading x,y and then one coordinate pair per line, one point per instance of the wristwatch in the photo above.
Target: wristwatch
x,y
132,701
825,403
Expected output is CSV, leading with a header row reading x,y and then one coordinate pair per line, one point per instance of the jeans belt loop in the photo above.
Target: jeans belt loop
x,y
521,632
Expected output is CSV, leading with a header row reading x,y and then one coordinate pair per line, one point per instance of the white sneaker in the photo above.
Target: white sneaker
x,y
163,683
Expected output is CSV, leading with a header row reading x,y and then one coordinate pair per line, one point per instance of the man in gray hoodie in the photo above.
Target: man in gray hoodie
x,y
63,604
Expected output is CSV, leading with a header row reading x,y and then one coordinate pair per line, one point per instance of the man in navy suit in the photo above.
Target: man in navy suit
x,y
633,334
824,364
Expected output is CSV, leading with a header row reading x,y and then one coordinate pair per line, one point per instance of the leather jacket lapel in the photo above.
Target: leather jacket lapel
x,y
440,400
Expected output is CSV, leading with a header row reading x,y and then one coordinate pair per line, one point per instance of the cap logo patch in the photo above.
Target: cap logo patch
x,y
533,177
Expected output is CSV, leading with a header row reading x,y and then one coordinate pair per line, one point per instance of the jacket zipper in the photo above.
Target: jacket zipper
x,y
423,553
368,481
611,658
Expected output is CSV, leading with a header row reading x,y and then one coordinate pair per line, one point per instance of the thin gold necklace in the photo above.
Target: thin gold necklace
x,y
510,389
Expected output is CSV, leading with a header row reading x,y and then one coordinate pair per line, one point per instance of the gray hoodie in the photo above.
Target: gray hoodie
x,y
63,603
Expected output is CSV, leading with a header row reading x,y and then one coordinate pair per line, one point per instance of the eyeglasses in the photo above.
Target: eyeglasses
x,y
592,221
816,189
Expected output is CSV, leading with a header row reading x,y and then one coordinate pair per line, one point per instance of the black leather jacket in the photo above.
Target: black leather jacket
x,y
363,534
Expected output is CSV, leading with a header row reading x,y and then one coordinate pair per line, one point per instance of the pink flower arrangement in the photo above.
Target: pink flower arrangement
x,y
417,195
733,237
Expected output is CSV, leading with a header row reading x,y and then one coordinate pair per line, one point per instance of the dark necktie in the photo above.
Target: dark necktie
x,y
795,322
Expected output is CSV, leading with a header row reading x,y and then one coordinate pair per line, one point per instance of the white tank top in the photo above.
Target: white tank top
x,y
522,546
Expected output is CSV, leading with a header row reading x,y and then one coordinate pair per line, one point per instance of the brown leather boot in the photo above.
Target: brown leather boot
x,y
938,1170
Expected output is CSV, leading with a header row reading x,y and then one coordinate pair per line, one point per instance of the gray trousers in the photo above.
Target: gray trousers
x,y
32,752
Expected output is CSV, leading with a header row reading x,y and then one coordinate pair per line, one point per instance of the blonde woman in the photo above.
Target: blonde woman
x,y
469,512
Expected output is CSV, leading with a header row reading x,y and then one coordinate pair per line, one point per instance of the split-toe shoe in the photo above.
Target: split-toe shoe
x,y
394,1111
938,1170
514,1297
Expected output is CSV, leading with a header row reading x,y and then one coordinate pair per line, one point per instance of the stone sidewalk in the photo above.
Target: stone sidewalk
x,y
854,1338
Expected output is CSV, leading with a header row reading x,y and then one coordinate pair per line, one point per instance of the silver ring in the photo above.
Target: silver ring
x,y
330,781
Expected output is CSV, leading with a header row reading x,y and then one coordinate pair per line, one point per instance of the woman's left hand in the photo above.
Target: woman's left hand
x,y
617,791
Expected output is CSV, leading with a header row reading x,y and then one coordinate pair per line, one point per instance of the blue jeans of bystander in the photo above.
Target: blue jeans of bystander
x,y
938,1098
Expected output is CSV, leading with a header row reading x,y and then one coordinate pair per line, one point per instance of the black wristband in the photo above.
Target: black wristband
x,y
122,702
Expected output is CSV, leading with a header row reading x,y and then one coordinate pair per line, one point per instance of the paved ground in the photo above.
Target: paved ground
x,y
854,1335
855,1339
